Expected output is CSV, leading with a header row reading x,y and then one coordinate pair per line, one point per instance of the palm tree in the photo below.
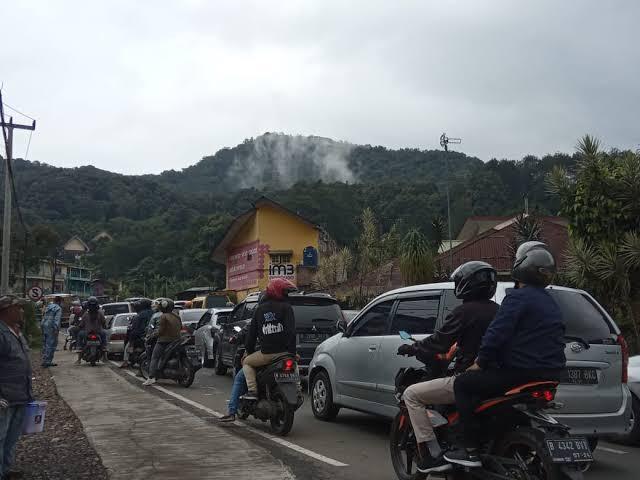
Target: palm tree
x,y
416,260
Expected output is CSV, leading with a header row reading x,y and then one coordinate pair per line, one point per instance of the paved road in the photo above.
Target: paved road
x,y
358,440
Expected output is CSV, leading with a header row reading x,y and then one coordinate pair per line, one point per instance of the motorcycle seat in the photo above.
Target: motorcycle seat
x,y
526,387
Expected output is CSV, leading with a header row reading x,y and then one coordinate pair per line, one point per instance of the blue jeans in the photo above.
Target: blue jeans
x,y
239,388
50,342
11,420
156,356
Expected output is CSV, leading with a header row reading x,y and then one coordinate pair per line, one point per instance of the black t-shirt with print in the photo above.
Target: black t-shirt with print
x,y
274,325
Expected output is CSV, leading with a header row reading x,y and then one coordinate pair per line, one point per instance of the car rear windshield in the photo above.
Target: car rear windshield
x,y
216,301
115,309
582,317
121,321
190,317
321,314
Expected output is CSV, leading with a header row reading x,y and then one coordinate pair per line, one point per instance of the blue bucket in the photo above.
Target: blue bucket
x,y
34,417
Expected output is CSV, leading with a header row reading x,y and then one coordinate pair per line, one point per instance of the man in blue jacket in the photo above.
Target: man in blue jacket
x,y
524,343
15,380
50,328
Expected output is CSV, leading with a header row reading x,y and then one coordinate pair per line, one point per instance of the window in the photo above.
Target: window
x,y
280,258
115,308
375,321
249,309
451,302
206,318
582,318
416,315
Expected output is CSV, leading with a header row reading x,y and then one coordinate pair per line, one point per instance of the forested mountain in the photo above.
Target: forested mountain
x,y
165,225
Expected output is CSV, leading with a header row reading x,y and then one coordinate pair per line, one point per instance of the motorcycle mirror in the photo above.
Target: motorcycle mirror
x,y
404,335
237,329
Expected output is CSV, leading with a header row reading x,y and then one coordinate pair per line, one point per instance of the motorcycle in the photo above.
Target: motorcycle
x,y
279,394
93,350
174,364
521,441
136,349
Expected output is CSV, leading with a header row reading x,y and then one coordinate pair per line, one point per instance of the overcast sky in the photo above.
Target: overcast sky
x,y
146,86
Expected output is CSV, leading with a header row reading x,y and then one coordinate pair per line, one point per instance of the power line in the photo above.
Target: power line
x,y
17,111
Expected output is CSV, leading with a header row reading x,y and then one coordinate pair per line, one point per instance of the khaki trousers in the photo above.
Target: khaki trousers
x,y
253,361
434,392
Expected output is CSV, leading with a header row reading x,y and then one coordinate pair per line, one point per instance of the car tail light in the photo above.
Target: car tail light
x,y
289,365
625,357
546,395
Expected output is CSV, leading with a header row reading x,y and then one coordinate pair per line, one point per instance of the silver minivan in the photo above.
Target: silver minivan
x,y
356,368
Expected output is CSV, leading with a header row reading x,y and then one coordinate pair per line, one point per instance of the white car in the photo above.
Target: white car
x,y
116,332
204,337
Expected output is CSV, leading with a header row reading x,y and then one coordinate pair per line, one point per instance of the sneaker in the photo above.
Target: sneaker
x,y
250,396
429,464
228,418
148,381
463,457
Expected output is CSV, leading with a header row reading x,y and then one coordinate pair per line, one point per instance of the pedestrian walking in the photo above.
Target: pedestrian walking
x,y
15,381
50,328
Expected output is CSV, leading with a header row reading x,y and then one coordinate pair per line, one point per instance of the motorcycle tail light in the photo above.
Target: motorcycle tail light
x,y
93,337
546,395
289,365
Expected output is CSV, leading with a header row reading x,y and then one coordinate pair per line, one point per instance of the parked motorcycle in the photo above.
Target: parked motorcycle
x,y
174,364
70,341
521,441
93,349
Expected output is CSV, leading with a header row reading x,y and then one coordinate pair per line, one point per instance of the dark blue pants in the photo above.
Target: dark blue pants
x,y
50,343
11,420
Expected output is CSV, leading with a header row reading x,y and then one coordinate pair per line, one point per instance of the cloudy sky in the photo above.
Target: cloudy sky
x,y
145,86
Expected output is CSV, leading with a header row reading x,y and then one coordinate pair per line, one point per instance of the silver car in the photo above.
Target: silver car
x,y
204,338
116,332
357,368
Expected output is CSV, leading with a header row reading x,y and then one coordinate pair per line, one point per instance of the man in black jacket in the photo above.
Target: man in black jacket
x,y
274,325
15,380
137,328
475,283
524,343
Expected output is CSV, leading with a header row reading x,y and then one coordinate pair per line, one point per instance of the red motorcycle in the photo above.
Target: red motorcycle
x,y
520,442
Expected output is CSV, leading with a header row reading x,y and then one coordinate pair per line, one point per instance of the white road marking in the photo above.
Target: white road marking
x,y
611,450
273,438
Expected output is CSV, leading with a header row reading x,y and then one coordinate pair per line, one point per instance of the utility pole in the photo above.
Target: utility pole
x,y
7,133
444,142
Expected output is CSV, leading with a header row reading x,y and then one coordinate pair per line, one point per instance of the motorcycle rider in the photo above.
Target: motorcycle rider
x,y
92,320
137,328
475,284
274,326
524,343
169,328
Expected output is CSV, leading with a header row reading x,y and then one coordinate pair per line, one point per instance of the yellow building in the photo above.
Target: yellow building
x,y
266,242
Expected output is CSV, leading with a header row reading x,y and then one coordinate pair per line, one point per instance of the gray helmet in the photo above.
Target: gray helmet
x,y
165,305
475,281
534,264
92,304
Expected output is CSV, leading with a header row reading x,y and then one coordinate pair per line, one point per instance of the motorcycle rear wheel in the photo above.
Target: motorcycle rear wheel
x,y
529,444
403,449
282,423
187,380
144,365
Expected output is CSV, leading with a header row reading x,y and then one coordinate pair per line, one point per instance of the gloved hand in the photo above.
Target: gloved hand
x,y
408,350
3,404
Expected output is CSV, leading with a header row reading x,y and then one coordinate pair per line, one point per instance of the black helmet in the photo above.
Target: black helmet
x,y
145,304
92,304
165,305
534,264
475,281
137,306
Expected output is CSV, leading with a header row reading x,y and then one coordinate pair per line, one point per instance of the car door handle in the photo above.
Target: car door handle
x,y
373,348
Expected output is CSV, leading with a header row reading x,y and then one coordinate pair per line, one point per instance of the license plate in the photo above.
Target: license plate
x,y
193,352
569,450
313,337
93,343
581,376
287,377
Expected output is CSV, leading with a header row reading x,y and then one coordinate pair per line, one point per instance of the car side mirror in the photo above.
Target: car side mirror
x,y
342,325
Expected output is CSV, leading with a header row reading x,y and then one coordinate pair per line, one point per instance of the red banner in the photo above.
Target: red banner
x,y
245,265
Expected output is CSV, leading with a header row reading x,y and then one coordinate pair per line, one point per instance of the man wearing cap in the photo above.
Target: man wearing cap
x,y
50,329
15,381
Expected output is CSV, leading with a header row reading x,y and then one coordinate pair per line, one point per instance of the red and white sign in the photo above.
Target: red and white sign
x,y
245,265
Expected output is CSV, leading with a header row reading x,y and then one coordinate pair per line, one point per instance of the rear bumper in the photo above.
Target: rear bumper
x,y
115,346
596,424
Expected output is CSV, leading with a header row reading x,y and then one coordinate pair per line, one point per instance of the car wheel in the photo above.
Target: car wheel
x,y
322,398
221,368
633,437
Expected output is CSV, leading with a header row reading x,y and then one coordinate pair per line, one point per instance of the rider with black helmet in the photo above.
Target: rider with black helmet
x,y
169,327
475,284
524,343
137,327
92,320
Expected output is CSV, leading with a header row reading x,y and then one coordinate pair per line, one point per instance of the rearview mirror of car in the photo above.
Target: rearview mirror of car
x,y
342,325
